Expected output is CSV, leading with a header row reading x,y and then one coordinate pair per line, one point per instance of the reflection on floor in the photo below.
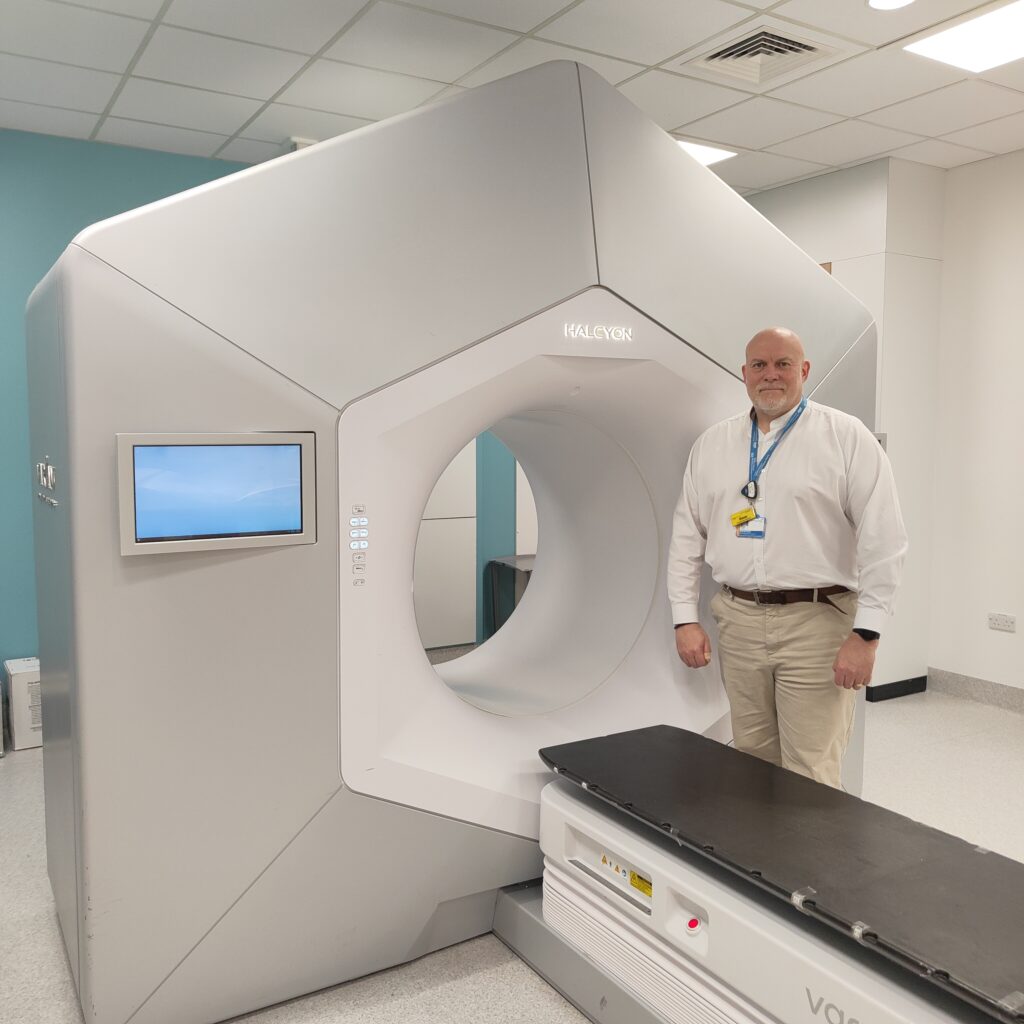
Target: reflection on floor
x,y
951,763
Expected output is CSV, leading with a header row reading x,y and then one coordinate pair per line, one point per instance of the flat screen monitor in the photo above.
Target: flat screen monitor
x,y
187,492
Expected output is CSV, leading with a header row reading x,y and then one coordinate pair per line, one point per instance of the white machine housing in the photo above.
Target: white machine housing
x,y
256,784
697,951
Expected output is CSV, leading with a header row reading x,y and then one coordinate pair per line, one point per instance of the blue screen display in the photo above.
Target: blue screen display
x,y
184,492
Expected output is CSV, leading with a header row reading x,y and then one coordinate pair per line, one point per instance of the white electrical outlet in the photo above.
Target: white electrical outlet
x,y
1006,623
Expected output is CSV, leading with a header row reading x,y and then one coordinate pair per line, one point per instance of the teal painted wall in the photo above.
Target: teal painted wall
x,y
51,188
495,519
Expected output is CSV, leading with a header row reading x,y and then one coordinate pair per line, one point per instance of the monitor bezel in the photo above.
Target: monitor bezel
x,y
126,444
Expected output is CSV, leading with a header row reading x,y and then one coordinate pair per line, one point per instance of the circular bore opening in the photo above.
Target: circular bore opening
x,y
575,617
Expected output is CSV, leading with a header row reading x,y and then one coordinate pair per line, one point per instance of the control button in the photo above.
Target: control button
x,y
359,582
358,568
693,925
354,521
361,533
363,521
354,545
359,558
354,533
364,544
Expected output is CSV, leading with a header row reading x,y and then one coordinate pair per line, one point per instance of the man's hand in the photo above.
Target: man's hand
x,y
854,662
693,645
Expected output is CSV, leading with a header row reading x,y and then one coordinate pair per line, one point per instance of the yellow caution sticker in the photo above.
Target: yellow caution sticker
x,y
743,516
643,884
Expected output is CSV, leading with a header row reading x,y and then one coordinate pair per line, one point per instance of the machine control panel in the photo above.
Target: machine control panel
x,y
359,543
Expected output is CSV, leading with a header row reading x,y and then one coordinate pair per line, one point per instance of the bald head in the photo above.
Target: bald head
x,y
774,372
777,339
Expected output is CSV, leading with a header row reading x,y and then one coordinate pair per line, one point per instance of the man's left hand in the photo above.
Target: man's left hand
x,y
854,662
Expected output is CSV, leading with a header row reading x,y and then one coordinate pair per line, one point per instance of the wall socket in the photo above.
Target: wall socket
x,y
1006,623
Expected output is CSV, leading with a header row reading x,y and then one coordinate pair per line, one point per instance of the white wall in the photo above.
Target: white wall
x,y
444,574
978,420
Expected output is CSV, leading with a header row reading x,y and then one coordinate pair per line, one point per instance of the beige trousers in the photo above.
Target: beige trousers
x,y
777,668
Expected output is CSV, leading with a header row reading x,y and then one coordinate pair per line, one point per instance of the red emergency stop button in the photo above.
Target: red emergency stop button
x,y
693,925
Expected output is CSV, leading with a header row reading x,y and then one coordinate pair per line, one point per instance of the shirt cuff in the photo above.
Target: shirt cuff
x,y
684,613
870,618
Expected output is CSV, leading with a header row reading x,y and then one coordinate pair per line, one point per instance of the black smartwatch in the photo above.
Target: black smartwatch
x,y
867,634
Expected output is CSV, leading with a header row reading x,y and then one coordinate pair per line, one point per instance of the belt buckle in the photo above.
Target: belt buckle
x,y
757,599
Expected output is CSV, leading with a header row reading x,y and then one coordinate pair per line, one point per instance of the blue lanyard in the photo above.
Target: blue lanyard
x,y
756,467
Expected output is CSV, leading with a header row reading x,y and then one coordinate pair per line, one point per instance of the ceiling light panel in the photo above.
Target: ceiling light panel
x,y
855,20
303,25
703,154
530,52
647,31
985,42
419,43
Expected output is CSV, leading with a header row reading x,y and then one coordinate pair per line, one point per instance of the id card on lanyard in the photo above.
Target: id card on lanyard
x,y
748,523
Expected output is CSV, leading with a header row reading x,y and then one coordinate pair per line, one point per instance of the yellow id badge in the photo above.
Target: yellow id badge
x,y
752,529
743,516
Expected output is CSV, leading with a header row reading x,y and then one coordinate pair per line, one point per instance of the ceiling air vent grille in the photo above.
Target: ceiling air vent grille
x,y
762,56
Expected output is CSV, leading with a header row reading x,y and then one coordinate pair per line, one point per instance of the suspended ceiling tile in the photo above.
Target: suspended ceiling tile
x,y
71,35
530,52
869,81
183,107
358,92
444,94
27,117
647,31
760,122
940,153
158,136
303,25
522,15
147,9
1011,75
56,85
844,143
950,109
224,65
280,122
853,18
672,100
248,151
415,42
1004,135
761,170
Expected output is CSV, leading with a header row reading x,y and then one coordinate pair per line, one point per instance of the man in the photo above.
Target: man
x,y
793,506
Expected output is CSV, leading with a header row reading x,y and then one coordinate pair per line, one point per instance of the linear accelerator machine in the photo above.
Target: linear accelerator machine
x,y
256,785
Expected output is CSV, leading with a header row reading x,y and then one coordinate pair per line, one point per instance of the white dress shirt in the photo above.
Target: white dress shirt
x,y
830,507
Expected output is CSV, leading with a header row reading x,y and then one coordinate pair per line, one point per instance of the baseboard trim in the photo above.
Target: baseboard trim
x,y
901,688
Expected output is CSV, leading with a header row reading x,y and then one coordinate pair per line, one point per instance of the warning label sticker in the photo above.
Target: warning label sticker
x,y
643,884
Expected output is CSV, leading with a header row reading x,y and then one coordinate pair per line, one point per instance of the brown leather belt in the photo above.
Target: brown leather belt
x,y
788,596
